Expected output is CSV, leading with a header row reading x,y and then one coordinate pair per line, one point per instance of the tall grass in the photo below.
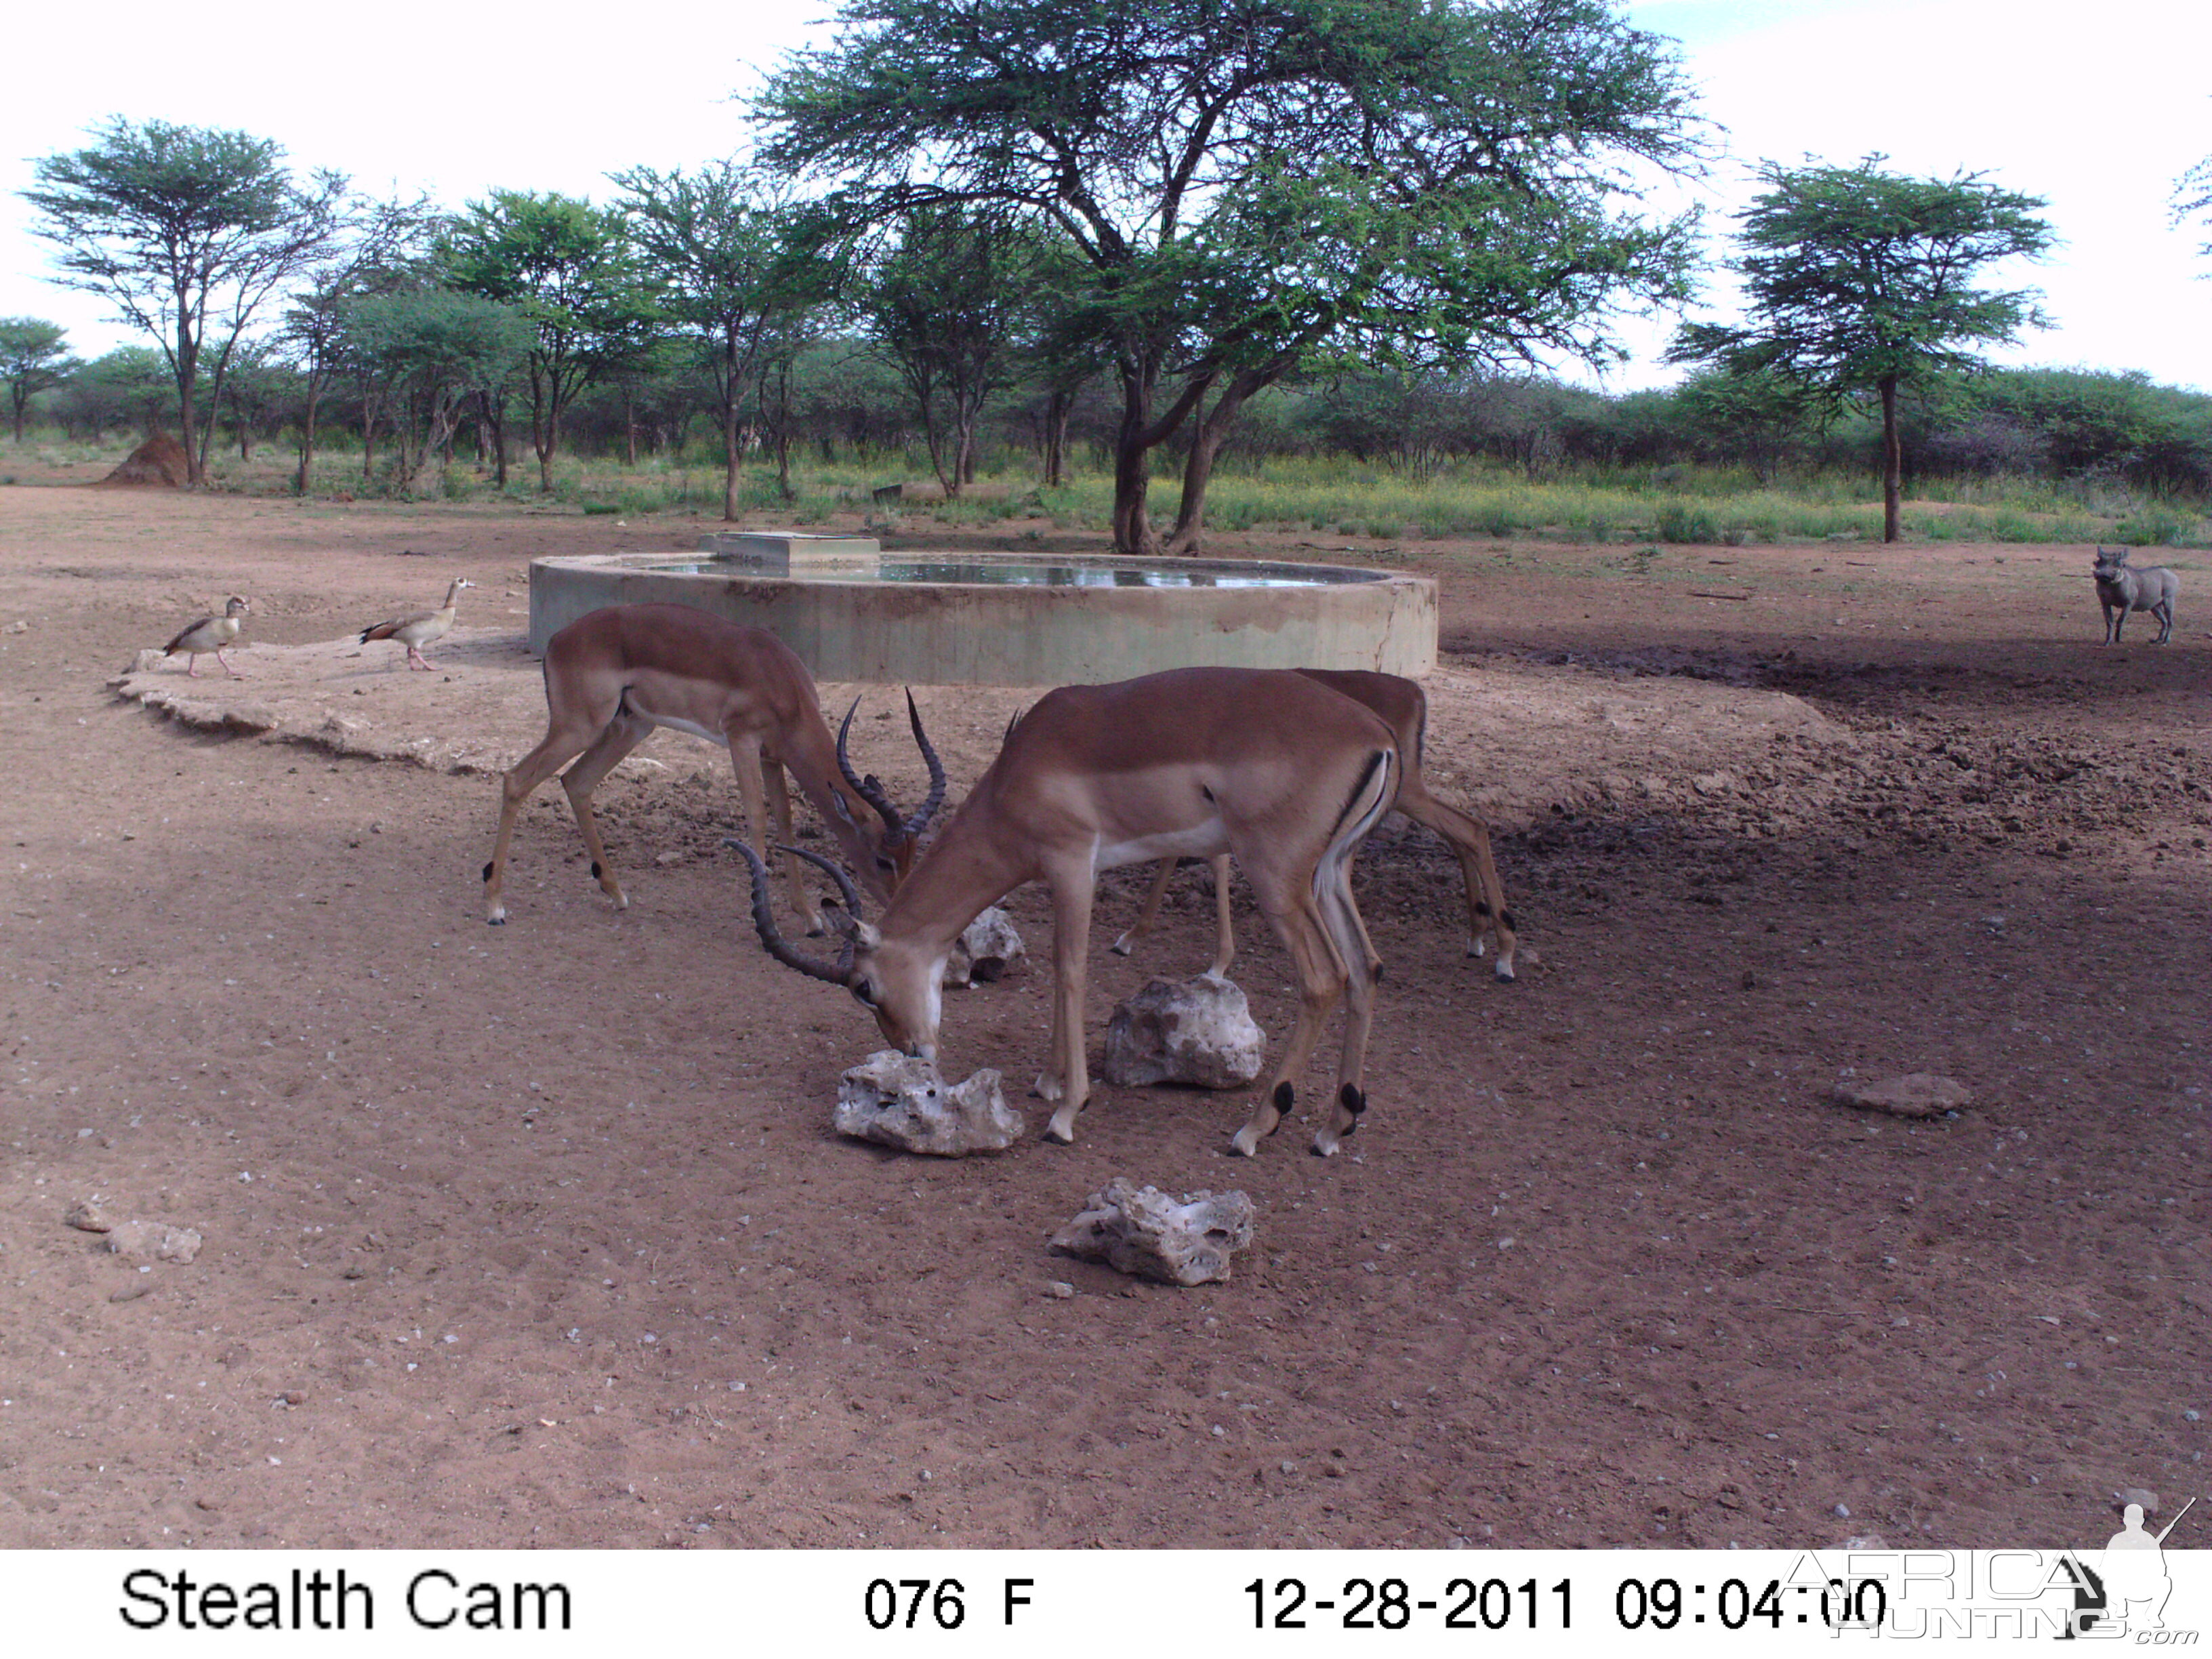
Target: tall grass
x,y
1325,495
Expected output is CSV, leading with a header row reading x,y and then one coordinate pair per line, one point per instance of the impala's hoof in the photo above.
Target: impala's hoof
x,y
1120,946
1246,1143
499,921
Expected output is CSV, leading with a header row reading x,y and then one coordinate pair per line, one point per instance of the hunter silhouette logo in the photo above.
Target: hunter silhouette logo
x,y
2127,1589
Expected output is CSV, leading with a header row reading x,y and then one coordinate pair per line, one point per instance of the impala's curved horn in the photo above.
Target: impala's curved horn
x,y
772,938
919,821
866,789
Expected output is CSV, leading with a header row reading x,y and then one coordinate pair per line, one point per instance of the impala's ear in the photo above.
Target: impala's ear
x,y
866,934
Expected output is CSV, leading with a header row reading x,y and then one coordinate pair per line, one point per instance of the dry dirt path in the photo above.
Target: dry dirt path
x,y
537,1235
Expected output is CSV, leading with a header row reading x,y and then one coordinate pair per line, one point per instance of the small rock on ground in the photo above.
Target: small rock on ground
x,y
897,1101
1916,1094
1142,1231
985,949
1198,1031
154,1241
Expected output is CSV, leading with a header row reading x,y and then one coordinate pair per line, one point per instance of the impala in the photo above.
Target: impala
x,y
1266,765
614,675
1404,707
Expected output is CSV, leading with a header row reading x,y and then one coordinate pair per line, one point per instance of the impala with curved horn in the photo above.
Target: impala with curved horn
x,y
1404,707
1264,764
614,675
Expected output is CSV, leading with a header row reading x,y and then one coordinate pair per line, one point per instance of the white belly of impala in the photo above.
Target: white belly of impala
x,y
691,727
1201,841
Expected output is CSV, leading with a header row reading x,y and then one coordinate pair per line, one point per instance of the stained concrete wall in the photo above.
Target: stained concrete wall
x,y
932,634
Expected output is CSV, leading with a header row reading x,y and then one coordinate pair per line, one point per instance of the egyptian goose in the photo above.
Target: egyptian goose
x,y
422,628
210,634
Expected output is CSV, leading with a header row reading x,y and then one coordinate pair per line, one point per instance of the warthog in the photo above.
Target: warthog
x,y
2121,588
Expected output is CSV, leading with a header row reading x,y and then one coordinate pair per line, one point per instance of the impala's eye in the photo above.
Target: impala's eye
x,y
864,992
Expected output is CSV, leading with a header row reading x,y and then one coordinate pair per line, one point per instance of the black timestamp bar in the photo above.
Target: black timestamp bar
x,y
1733,1604
1392,1604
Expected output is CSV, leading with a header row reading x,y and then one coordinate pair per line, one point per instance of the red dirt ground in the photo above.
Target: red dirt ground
x,y
544,1234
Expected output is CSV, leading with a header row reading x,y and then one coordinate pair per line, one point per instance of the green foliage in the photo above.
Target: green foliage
x,y
1754,413
572,272
34,357
739,267
1860,281
2161,527
1682,521
129,386
182,229
1249,187
950,302
1855,276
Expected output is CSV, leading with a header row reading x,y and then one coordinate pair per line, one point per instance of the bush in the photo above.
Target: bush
x,y
2159,526
1680,521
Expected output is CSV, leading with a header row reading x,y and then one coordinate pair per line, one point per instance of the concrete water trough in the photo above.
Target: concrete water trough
x,y
854,612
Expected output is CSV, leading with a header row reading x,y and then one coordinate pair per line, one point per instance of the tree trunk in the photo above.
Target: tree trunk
x,y
18,393
1132,528
1055,439
188,368
1892,459
733,455
544,425
304,479
495,418
1205,448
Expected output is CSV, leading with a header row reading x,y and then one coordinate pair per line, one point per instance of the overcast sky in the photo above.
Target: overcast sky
x,y
2097,108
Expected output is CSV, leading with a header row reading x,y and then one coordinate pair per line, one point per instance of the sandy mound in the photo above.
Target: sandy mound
x,y
160,460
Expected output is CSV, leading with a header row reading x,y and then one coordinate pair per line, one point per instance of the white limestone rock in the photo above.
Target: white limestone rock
x,y
1200,1032
985,950
898,1101
1142,1231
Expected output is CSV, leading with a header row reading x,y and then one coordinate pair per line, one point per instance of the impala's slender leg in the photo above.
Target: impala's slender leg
x,y
779,806
1143,924
623,734
1469,838
1068,1081
566,740
751,768
1340,912
1321,982
1224,932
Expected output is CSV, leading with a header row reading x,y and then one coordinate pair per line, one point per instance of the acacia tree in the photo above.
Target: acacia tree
x,y
1251,185
1860,283
2192,199
723,243
427,355
380,251
33,357
569,268
950,303
188,232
